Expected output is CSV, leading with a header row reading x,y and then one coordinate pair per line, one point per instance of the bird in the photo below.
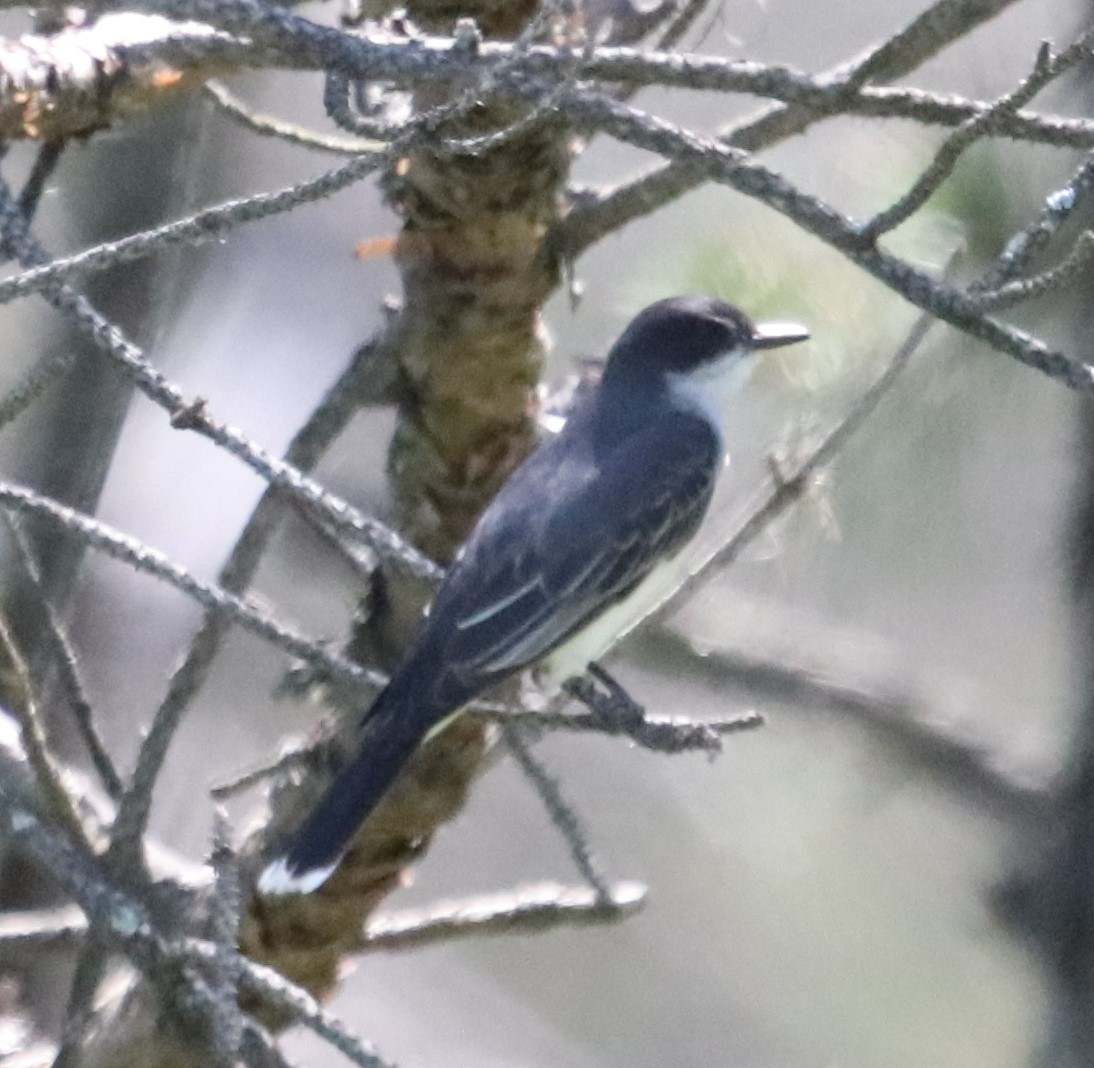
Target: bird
x,y
565,558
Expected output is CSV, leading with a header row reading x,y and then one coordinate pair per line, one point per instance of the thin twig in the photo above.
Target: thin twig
x,y
1068,270
189,414
126,924
365,378
300,1007
77,95
67,663
205,225
724,164
42,931
491,80
410,61
44,373
561,812
1020,250
662,734
941,24
268,126
21,702
529,908
678,734
224,972
212,598
1046,69
53,87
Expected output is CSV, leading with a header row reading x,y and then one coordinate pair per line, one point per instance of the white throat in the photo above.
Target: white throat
x,y
709,390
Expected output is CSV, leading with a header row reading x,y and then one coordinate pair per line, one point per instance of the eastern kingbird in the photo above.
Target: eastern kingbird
x,y
563,560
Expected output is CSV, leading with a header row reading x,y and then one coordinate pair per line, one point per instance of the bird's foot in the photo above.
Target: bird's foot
x,y
616,712
613,707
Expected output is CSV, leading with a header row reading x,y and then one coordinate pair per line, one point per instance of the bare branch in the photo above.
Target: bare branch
x,y
301,1008
365,377
531,908
21,702
193,414
109,912
1020,250
935,109
944,22
1067,271
1046,69
721,163
125,923
79,79
206,225
561,812
46,371
67,663
76,81
662,734
224,971
42,931
267,126
212,598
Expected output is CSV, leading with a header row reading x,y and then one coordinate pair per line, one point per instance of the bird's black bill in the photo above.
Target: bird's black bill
x,y
775,335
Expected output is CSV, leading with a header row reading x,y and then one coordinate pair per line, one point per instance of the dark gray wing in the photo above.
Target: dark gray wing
x,y
574,531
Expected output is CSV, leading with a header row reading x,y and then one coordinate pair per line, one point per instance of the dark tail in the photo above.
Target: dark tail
x,y
394,727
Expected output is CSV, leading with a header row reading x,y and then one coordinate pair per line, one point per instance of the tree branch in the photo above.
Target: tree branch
x,y
193,414
1046,69
212,598
67,663
562,814
81,79
530,908
942,24
205,225
41,931
721,163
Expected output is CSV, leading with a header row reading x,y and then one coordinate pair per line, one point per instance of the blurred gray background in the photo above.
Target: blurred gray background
x,y
819,895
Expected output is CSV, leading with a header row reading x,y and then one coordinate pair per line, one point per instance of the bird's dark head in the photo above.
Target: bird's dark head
x,y
685,334
698,348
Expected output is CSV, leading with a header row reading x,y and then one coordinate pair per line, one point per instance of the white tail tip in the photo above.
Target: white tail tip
x,y
278,879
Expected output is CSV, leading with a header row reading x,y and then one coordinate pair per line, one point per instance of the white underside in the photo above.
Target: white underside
x,y
708,392
574,656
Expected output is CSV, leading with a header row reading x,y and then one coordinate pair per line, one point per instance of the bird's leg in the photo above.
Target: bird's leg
x,y
616,712
612,705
